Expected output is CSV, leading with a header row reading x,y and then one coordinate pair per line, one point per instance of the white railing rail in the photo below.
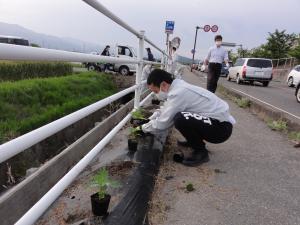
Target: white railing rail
x,y
32,215
19,144
18,52
15,146
101,8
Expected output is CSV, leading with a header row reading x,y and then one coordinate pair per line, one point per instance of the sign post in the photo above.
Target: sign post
x,y
169,30
206,28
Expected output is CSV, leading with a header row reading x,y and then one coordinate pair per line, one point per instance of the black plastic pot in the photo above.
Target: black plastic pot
x,y
132,144
155,102
100,206
138,122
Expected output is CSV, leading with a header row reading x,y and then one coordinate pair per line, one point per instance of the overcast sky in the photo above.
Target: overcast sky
x,y
247,22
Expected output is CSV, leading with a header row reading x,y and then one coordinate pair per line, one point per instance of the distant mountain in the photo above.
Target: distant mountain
x,y
48,41
186,60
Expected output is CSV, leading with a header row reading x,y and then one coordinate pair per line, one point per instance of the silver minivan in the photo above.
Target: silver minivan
x,y
250,70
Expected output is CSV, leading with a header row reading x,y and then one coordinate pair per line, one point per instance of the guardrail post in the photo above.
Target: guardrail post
x,y
139,70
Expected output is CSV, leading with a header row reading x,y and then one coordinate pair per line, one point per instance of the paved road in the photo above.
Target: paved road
x,y
277,95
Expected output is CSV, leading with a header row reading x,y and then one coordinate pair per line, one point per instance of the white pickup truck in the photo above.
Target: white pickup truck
x,y
120,51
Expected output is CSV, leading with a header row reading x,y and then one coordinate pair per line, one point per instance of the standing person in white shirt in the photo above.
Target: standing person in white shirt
x,y
196,113
216,56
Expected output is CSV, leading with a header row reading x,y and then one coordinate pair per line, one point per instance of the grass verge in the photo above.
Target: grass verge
x,y
28,104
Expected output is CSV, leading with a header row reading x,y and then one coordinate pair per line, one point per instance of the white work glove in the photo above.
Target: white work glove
x,y
227,65
155,115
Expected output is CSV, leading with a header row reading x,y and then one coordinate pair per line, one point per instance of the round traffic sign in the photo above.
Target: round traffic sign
x,y
206,28
214,28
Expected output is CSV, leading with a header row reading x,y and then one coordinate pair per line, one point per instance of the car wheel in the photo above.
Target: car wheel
x,y
228,78
124,70
290,82
265,83
238,79
251,82
298,95
91,68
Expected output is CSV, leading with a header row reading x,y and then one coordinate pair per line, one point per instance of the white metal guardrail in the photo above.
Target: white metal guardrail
x,y
42,205
17,145
13,147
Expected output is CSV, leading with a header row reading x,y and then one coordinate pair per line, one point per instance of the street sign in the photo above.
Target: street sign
x,y
169,27
214,28
228,44
206,28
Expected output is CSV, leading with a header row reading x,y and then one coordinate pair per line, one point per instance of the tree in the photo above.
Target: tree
x,y
261,52
295,52
243,52
279,44
35,45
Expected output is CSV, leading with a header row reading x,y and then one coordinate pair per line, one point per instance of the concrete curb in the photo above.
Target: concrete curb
x,y
264,111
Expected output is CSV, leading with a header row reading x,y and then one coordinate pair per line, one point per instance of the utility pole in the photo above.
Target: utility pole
x,y
197,28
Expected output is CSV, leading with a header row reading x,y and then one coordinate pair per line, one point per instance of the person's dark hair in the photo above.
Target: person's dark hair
x,y
107,46
218,37
157,76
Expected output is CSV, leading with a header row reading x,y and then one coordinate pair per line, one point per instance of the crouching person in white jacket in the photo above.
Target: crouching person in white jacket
x,y
197,114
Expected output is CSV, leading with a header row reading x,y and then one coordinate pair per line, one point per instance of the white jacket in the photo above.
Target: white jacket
x,y
184,97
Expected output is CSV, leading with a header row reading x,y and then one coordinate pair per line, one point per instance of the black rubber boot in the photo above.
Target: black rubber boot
x,y
198,157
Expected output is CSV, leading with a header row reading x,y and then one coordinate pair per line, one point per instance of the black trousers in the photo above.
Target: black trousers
x,y
196,129
214,72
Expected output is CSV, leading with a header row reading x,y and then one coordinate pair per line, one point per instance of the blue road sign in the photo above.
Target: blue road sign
x,y
170,26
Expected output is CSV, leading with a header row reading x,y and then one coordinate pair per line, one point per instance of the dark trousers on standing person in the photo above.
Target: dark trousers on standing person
x,y
214,72
196,129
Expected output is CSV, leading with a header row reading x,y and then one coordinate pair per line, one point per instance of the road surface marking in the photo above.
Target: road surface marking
x,y
266,103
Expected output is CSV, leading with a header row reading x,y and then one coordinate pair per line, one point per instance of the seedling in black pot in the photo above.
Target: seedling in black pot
x,y
155,102
134,133
138,117
100,200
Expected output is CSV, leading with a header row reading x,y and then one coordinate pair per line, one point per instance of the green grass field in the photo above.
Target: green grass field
x,y
28,104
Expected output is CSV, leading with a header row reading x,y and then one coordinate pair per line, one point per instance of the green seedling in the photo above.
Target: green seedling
x,y
138,114
189,187
134,132
102,181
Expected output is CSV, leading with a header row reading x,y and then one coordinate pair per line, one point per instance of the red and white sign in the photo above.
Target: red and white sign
x,y
214,28
206,28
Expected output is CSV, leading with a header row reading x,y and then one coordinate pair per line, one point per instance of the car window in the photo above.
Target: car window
x,y
239,62
128,52
260,63
124,51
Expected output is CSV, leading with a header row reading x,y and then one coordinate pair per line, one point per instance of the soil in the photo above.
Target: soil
x,y
172,180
